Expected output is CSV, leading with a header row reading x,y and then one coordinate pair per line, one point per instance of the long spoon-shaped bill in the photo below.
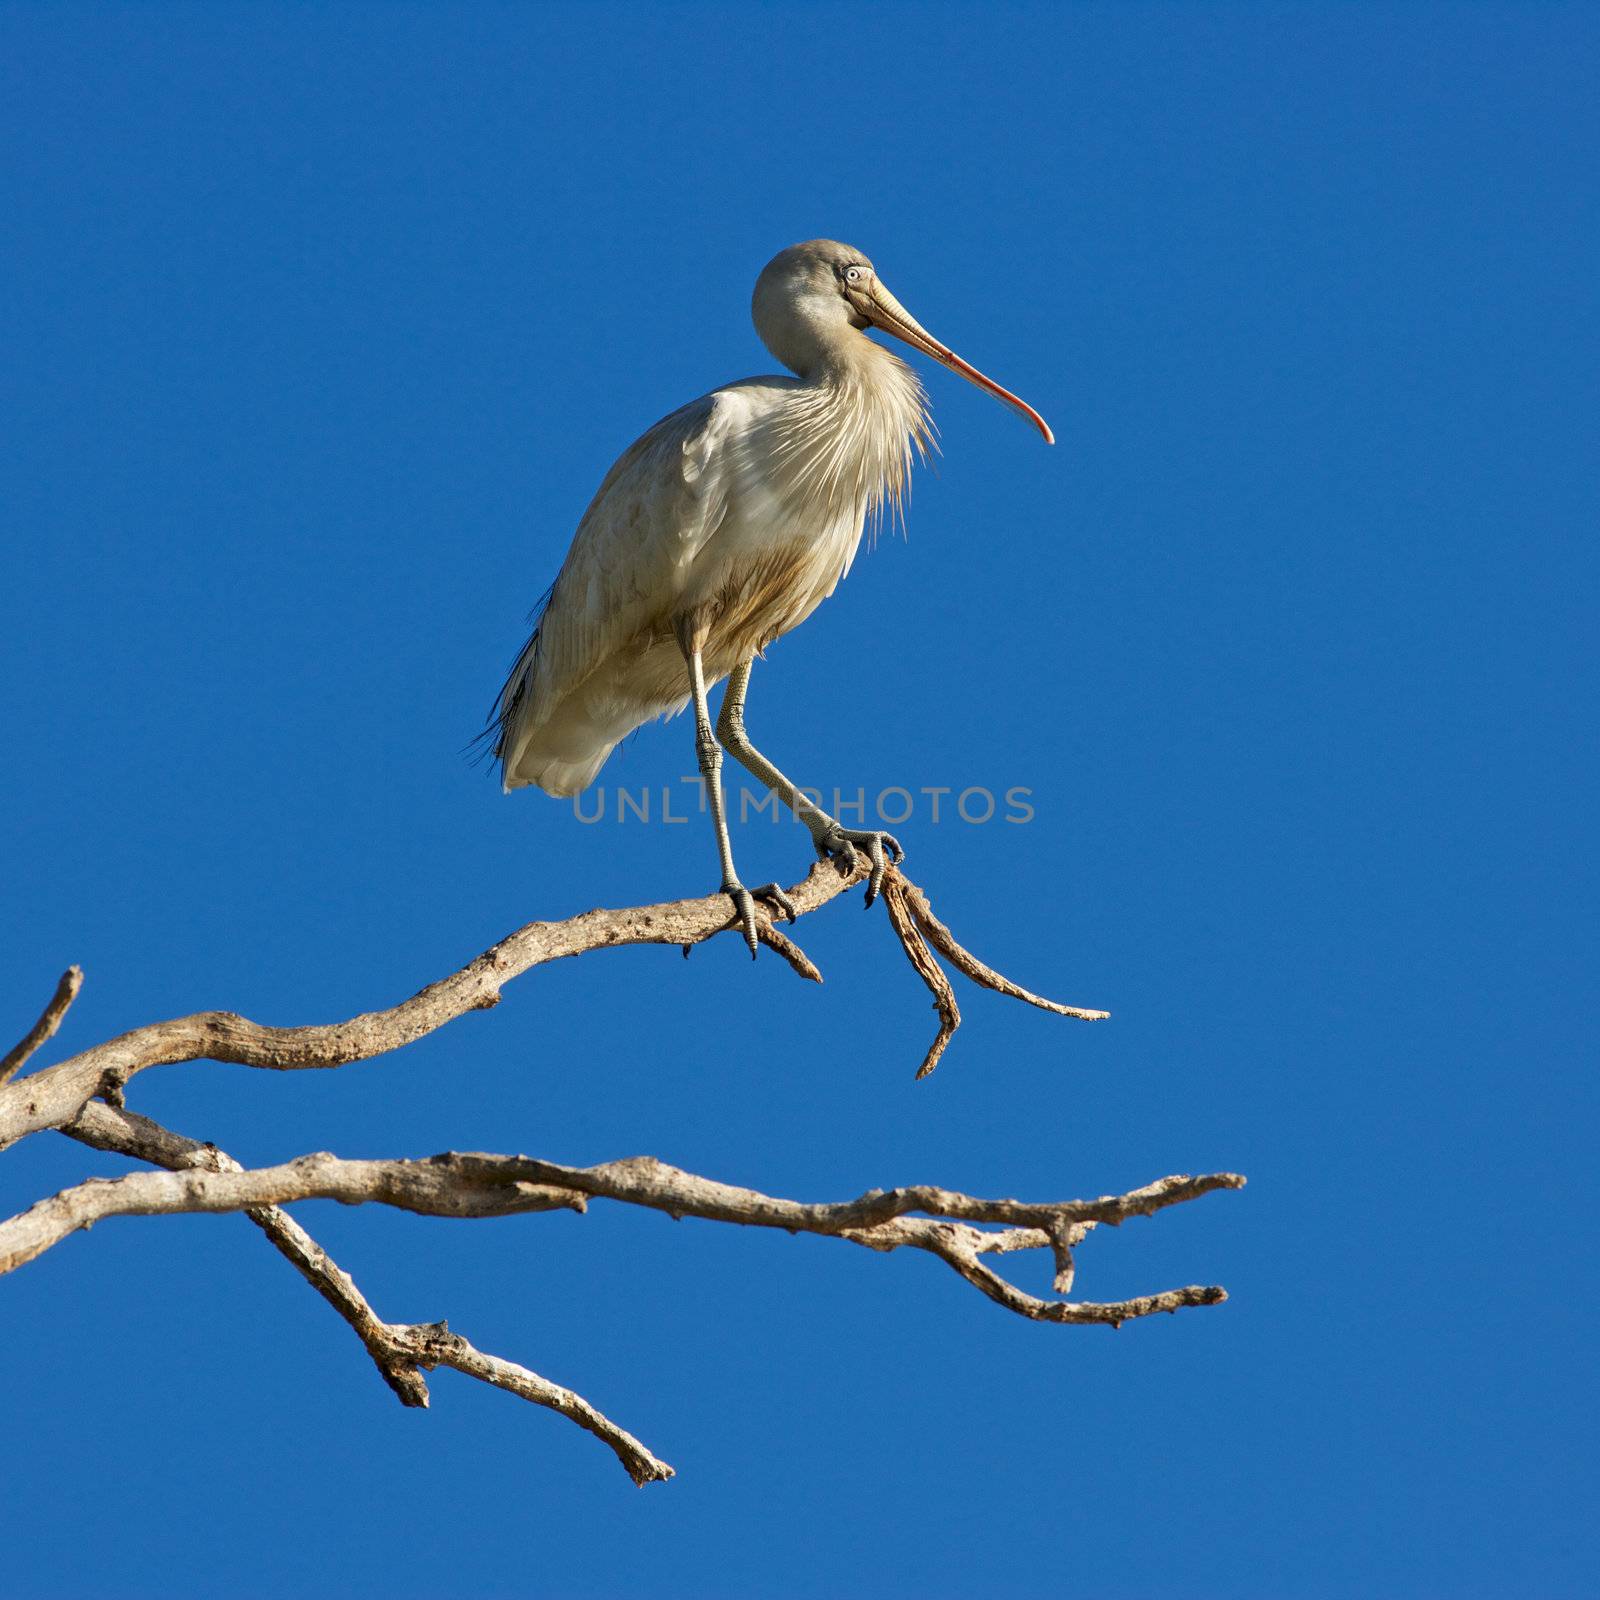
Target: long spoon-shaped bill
x,y
884,311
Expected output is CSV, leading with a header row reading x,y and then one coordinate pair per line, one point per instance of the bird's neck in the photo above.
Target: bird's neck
x,y
858,421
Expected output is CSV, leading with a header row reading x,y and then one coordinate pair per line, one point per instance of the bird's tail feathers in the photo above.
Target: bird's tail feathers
x,y
573,740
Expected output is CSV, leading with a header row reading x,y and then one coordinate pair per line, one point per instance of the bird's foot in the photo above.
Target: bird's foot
x,y
840,844
744,908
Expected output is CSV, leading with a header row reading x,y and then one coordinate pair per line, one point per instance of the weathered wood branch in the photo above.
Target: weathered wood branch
x,y
903,919
472,1184
959,1230
52,1097
941,1222
399,1350
44,1029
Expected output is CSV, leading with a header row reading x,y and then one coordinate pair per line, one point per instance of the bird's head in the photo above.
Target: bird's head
x,y
810,297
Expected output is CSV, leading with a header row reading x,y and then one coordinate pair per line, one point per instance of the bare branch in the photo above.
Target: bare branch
x,y
912,917
106,1128
787,948
52,1097
965,962
478,1185
44,1029
399,1350
929,970
959,1230
436,1345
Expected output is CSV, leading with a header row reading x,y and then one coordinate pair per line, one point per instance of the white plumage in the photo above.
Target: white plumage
x,y
744,508
722,528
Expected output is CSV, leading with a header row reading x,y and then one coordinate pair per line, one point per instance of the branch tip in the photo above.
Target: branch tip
x,y
67,987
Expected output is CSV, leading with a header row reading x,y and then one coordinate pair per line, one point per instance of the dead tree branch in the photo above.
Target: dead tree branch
x,y
399,1350
51,1098
82,1098
44,1029
473,1184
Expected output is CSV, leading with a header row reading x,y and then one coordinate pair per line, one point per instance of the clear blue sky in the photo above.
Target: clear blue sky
x,y
323,323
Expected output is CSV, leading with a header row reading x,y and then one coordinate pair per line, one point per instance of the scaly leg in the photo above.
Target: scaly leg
x,y
709,753
830,839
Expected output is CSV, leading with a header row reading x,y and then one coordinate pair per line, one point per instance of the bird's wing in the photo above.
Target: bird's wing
x,y
665,497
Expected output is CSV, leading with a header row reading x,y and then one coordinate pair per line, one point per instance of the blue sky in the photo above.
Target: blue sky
x,y
323,325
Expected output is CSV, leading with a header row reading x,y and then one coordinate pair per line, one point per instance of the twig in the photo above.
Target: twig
x,y
912,917
929,970
399,1350
436,1345
964,961
44,1029
787,948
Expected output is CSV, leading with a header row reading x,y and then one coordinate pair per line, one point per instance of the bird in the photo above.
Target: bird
x,y
719,530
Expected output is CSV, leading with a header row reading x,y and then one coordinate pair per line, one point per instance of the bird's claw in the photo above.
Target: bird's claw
x,y
744,908
781,903
839,844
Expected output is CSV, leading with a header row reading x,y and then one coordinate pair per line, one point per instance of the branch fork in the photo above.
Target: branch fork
x,y
82,1097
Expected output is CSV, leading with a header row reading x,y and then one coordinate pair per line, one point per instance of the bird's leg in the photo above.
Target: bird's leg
x,y
832,840
709,753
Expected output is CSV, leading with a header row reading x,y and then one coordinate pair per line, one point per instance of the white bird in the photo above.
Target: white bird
x,y
719,530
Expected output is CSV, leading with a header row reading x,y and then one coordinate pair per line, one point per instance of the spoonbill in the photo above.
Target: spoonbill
x,y
724,526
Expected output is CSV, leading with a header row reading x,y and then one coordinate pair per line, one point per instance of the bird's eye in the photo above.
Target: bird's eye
x,y
854,274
